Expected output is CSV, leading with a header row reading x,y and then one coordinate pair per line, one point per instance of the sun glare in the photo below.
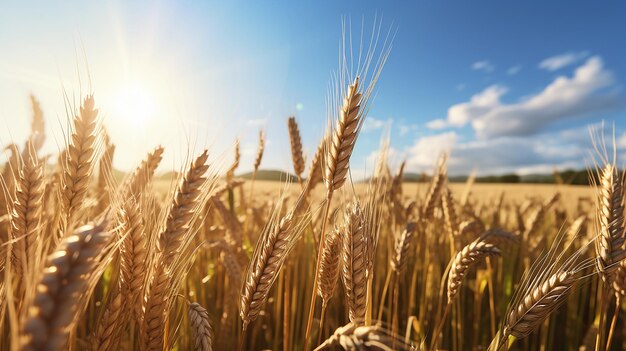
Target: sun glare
x,y
134,103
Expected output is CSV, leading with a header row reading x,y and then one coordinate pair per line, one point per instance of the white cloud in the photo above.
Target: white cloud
x,y
483,65
407,128
480,104
559,61
371,124
566,97
425,151
522,155
437,124
514,70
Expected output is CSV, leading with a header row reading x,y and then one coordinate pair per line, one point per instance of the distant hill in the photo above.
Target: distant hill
x,y
270,174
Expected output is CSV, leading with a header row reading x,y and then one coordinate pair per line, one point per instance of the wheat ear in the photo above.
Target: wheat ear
x,y
402,245
610,241
182,209
436,185
537,305
172,241
270,253
230,174
110,323
62,292
26,213
37,130
344,138
78,164
296,147
328,273
133,257
463,260
354,263
144,172
354,336
316,173
202,331
260,150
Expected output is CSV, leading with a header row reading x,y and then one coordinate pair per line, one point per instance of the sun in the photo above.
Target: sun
x,y
134,103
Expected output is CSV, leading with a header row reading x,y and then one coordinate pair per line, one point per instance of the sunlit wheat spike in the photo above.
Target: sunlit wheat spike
x,y
537,304
234,230
354,262
316,169
26,212
356,337
328,274
8,176
110,324
296,146
144,172
437,183
576,229
260,150
233,269
536,219
105,172
37,130
449,213
270,253
619,280
202,331
465,258
230,174
78,164
155,310
402,246
133,256
610,240
183,208
71,273
343,138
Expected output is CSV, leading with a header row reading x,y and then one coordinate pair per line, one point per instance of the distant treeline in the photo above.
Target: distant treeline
x,y
570,176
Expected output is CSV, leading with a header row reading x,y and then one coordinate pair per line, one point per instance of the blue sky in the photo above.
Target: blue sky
x,y
507,87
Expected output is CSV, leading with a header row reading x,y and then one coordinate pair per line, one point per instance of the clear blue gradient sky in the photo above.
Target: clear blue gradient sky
x,y
506,86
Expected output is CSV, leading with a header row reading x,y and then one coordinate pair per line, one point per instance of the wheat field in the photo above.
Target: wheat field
x,y
210,261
